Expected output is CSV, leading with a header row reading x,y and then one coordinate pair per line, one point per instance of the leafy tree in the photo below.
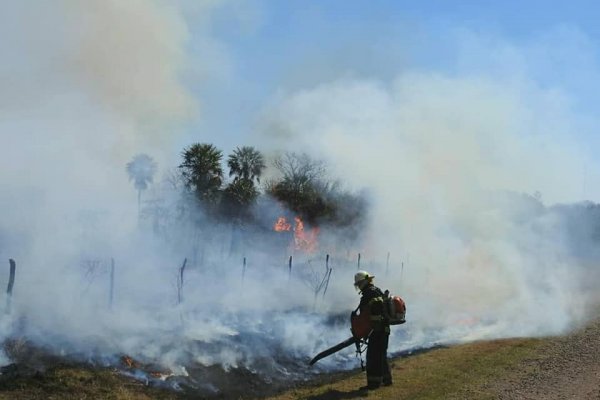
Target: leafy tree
x,y
202,172
238,196
141,170
305,189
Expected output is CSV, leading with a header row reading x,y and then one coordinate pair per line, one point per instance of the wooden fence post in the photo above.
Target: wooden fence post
x,y
11,282
243,269
180,282
328,272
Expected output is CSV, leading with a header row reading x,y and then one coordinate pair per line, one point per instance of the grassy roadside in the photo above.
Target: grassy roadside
x,y
457,372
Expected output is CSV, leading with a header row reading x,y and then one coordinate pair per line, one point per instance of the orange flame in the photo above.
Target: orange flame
x,y
282,225
129,362
305,240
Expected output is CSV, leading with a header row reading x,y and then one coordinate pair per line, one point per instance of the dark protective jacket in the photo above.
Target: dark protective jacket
x,y
372,301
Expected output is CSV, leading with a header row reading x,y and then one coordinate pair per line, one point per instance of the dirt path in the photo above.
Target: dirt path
x,y
566,368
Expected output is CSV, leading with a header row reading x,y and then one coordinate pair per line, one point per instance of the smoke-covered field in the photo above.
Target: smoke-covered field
x,y
472,179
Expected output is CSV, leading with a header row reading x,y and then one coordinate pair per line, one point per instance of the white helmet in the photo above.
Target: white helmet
x,y
361,279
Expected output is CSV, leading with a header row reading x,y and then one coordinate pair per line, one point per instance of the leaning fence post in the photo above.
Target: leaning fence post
x,y
327,281
327,274
180,282
11,282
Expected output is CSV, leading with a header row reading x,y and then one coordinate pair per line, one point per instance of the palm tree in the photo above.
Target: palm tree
x,y
141,170
246,163
201,171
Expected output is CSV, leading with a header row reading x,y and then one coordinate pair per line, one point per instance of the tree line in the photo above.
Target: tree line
x,y
301,185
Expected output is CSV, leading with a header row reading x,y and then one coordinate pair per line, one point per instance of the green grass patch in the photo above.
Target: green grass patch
x,y
456,372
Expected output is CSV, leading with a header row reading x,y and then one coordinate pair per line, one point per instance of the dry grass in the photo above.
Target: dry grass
x,y
458,372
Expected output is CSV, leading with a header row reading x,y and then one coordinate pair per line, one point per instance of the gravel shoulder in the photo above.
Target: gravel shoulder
x,y
567,367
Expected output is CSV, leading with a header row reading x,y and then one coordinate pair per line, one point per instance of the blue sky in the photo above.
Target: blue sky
x,y
240,59
291,45
268,49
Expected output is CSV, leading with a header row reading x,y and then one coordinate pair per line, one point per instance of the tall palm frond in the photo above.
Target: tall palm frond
x,y
246,163
201,170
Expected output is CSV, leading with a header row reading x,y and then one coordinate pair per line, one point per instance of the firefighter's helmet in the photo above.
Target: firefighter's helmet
x,y
361,279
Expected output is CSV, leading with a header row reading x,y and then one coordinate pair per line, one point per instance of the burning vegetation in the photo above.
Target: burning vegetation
x,y
303,187
305,240
302,191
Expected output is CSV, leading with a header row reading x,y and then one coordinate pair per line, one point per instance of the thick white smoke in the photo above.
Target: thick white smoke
x,y
87,86
90,86
452,164
456,166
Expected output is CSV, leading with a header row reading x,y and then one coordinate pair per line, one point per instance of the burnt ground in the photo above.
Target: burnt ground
x,y
34,366
566,367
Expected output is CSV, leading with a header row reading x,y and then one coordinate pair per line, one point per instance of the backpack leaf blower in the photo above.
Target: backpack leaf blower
x,y
361,325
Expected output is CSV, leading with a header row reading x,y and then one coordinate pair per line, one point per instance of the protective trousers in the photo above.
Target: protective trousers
x,y
378,369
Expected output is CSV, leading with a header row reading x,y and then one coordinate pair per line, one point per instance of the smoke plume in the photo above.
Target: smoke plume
x,y
462,171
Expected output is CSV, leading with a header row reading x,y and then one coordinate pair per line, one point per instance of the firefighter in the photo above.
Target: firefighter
x,y
372,301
